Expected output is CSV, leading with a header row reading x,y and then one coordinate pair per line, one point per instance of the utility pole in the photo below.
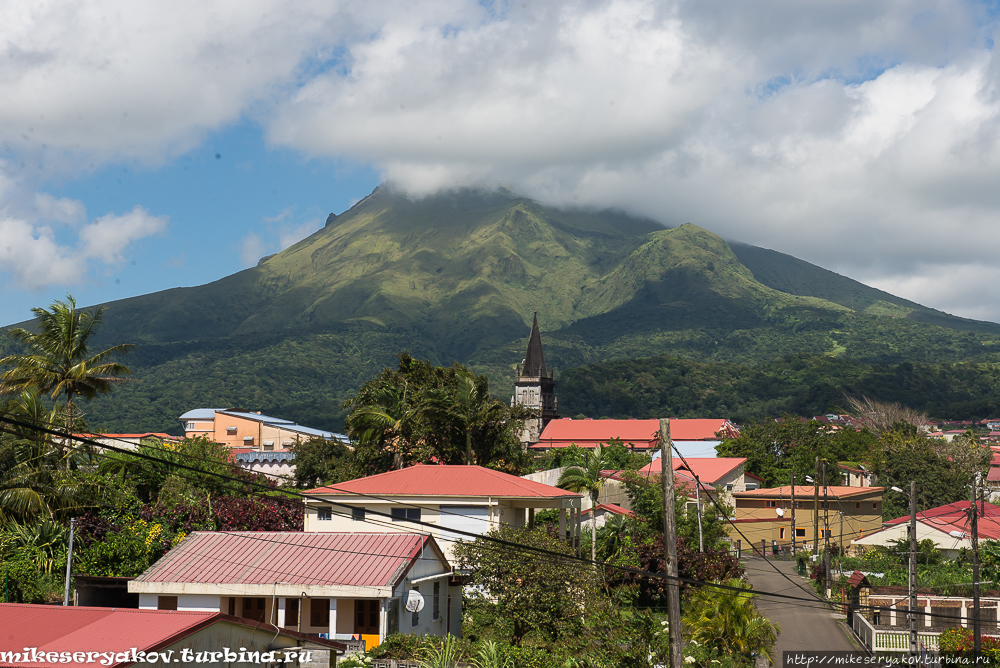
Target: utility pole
x,y
816,509
840,556
69,560
670,546
976,638
912,580
826,532
793,514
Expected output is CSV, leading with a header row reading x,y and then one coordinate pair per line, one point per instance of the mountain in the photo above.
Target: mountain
x,y
457,276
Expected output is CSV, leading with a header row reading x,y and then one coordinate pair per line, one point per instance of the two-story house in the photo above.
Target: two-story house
x,y
238,428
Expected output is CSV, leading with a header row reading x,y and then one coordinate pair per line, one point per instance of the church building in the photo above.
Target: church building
x,y
535,387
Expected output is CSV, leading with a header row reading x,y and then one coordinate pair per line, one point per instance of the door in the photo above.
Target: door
x,y
474,519
253,608
366,621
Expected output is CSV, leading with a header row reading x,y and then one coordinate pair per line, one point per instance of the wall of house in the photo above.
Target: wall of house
x,y
189,602
949,545
199,428
244,428
235,636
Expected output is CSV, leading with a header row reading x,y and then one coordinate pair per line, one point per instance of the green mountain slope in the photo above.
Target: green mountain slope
x,y
457,277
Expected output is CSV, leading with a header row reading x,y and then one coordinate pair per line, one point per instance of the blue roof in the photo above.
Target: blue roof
x,y
257,416
201,414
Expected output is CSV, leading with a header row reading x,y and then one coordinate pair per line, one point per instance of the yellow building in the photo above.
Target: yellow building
x,y
772,515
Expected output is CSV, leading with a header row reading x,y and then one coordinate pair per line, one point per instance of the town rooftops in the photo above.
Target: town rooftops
x,y
804,491
270,421
446,480
293,559
948,512
49,628
644,434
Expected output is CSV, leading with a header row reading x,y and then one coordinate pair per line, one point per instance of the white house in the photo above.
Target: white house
x,y
467,499
947,526
336,584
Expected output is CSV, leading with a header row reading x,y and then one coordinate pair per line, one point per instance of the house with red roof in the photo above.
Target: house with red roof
x,y
780,515
726,474
447,501
39,636
693,437
336,585
947,526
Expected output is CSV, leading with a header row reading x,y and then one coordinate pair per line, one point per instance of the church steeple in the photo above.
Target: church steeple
x,y
535,386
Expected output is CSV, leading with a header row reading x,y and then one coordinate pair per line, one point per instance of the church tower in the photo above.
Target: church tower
x,y
535,387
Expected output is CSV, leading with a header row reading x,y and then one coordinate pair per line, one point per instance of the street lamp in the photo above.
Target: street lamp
x,y
912,580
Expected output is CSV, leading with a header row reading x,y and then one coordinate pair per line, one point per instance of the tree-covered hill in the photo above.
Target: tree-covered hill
x,y
456,277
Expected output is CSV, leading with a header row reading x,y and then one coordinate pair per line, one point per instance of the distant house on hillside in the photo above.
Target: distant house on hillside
x,y
946,526
238,428
693,437
728,474
130,441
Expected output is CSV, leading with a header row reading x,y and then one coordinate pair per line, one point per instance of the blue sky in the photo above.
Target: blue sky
x,y
228,201
863,137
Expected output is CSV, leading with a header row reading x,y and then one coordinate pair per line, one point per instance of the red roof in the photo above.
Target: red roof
x,y
994,474
804,491
611,508
49,628
640,433
951,512
264,557
446,480
708,469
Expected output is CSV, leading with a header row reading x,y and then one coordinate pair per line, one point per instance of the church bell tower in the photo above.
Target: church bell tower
x,y
535,387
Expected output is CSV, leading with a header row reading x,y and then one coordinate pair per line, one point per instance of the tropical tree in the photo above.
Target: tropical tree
x,y
728,620
588,479
58,361
384,422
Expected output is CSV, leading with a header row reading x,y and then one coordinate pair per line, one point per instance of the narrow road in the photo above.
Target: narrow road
x,y
804,626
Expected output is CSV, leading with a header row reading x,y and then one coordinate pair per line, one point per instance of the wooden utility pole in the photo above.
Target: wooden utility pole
x,y
670,547
912,579
826,532
793,514
976,638
816,509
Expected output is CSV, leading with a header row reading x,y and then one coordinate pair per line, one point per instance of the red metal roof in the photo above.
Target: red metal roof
x,y
611,508
50,628
804,491
265,557
61,629
641,433
446,480
994,474
951,512
708,469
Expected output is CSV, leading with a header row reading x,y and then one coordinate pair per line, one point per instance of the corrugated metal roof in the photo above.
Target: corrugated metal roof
x,y
806,491
58,629
265,557
446,480
708,469
266,455
201,414
246,415
643,433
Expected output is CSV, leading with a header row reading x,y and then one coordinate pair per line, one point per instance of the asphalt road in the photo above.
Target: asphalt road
x,y
804,626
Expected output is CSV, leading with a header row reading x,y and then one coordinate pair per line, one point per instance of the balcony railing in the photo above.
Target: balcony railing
x,y
883,640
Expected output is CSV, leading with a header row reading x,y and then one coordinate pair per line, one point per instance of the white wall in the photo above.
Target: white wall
x,y
188,602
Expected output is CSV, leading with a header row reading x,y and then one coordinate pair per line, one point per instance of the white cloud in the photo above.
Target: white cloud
x,y
252,248
36,254
858,135
292,234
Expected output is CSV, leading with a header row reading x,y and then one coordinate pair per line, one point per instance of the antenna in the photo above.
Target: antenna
x,y
780,511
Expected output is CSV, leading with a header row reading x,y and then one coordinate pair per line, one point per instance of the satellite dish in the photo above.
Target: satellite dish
x,y
780,511
414,601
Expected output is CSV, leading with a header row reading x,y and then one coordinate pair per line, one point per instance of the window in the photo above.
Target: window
x,y
253,608
248,440
874,505
437,600
231,431
770,504
291,612
324,514
269,445
358,514
824,504
189,426
166,602
415,620
826,533
232,606
751,486
404,514
800,533
798,504
286,444
729,486
781,533
319,612
857,504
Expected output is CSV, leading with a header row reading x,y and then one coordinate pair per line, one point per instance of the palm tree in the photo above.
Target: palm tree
x,y
729,620
588,479
470,406
385,420
58,361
